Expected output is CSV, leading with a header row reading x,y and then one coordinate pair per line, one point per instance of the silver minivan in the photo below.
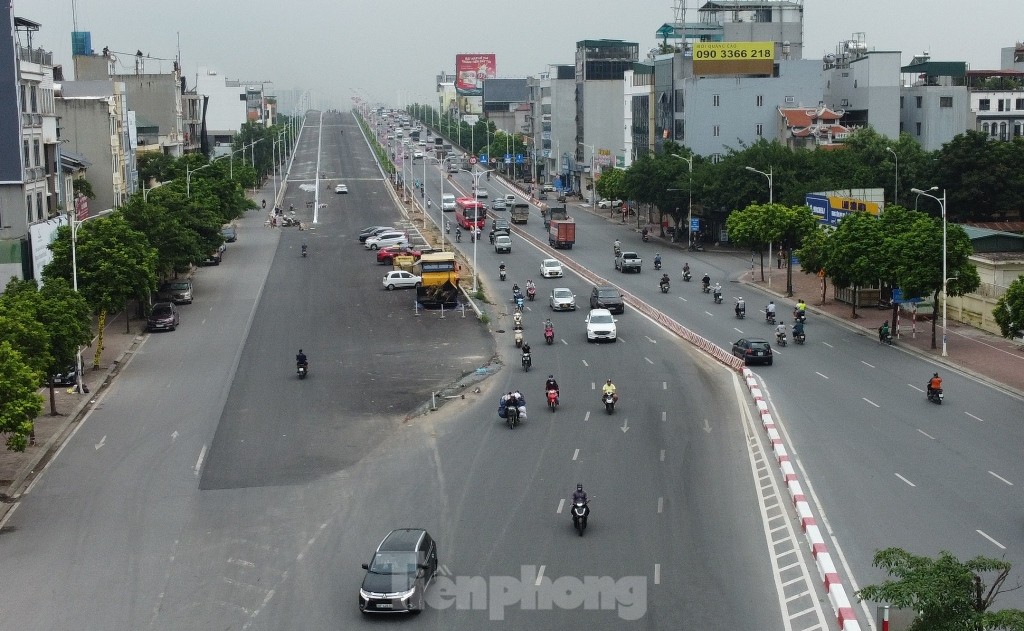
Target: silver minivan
x,y
447,202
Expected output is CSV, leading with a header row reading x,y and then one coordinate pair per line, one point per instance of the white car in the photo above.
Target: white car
x,y
609,203
399,278
600,325
482,193
562,299
417,155
341,188
550,268
385,239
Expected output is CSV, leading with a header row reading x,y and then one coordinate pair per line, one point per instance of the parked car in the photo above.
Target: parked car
x,y
547,188
176,291
502,243
753,350
163,317
396,279
229,233
387,255
372,231
341,188
609,203
397,576
550,268
385,239
215,257
68,377
562,299
600,325
607,297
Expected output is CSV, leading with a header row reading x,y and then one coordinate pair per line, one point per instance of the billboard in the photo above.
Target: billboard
x,y
716,58
471,70
830,209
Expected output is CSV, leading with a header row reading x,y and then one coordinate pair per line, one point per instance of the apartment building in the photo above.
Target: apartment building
x,y
934,101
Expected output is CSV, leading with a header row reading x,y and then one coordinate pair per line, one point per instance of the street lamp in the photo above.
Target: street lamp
x,y
189,172
476,198
771,200
945,279
74,223
593,180
896,187
689,214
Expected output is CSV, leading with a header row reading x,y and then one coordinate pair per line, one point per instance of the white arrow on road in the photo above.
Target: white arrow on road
x,y
707,426
174,436
625,426
103,441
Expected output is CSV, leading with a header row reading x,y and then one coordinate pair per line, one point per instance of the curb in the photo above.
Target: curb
x,y
818,546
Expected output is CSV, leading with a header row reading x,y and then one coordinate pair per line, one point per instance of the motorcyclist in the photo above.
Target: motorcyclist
x,y
780,331
516,292
579,495
935,383
706,281
769,311
549,327
664,280
686,268
551,384
301,360
741,306
883,331
530,287
447,225
643,234
798,330
608,387
617,247
800,311
458,233
657,260
717,291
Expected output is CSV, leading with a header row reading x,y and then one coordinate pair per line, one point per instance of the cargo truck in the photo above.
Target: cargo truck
x,y
520,212
562,233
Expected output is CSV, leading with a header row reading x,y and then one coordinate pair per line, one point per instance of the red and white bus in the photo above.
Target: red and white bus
x,y
468,211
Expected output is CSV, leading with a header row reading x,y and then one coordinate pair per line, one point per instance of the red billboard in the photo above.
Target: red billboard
x,y
471,70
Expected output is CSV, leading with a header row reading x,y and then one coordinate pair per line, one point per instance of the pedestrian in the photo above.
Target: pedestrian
x,y
780,259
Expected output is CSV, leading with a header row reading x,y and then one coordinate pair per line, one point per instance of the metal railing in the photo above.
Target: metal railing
x,y
35,56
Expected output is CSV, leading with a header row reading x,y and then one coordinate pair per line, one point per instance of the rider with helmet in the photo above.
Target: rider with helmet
x,y
551,384
579,495
935,383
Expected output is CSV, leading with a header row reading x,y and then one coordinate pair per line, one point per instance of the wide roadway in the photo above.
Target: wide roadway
x,y
212,489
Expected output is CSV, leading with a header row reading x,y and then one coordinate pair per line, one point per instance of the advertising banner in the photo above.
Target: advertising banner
x,y
712,58
471,70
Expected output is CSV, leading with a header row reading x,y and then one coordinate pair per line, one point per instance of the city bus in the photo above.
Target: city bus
x,y
468,212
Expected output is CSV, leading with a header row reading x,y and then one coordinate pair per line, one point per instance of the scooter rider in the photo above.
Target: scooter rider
x,y
780,331
935,383
706,282
769,311
883,332
447,226
301,360
798,330
551,384
741,306
617,247
657,260
579,495
664,280
305,248
608,387
458,234
717,292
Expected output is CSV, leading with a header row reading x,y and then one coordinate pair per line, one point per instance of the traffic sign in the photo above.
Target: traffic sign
x,y
483,158
472,159
694,225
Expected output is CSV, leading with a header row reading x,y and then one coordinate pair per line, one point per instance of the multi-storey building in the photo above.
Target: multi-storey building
x,y
997,102
934,101
553,101
865,85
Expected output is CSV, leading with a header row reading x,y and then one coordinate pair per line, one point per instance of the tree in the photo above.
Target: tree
x,y
115,265
155,166
63,315
853,254
948,594
611,185
1009,311
19,401
788,225
812,255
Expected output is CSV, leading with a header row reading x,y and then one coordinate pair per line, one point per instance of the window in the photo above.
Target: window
x,y
24,102
999,105
760,129
33,99
716,158
984,105
28,207
39,206
716,100
919,100
1019,105
901,102
24,145
715,130
917,126
760,102
945,101
36,160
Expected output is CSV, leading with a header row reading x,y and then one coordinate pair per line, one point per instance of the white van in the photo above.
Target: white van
x,y
447,202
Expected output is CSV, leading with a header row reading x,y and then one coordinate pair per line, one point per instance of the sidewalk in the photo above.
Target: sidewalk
x,y
985,356
16,469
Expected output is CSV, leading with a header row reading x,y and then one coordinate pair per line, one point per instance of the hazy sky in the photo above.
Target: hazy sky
x,y
391,50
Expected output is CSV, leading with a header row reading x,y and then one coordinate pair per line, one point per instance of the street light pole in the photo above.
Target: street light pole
x,y
74,222
945,278
593,181
896,187
476,198
771,200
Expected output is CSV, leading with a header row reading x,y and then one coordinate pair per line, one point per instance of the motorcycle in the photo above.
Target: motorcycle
x,y
718,298
645,236
800,337
580,510
527,362
531,293
800,316
608,399
549,336
512,416
552,399
935,396
303,251
501,272
706,288
302,369
519,303
770,318
885,338
657,264
458,239
687,276
517,320
694,247
617,250
518,336
664,286
780,338
741,313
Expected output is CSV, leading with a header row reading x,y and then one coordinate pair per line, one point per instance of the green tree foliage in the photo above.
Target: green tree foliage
x,y
64,317
19,401
812,254
115,264
154,167
983,178
611,184
854,253
1009,311
81,186
948,594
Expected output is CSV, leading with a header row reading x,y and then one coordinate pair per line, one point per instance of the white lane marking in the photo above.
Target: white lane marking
x,y
820,375
828,345
664,415
625,426
540,576
915,387
586,417
651,340
974,417
657,573
562,340
709,313
1001,546
103,441
661,504
866,364
576,454
561,503
585,363
683,299
909,483
174,436
663,455
926,434
1000,478
871,402
707,426
737,330
664,385
648,360
593,386
199,462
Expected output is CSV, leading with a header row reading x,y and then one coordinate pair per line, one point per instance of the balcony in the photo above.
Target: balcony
x,y
31,120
